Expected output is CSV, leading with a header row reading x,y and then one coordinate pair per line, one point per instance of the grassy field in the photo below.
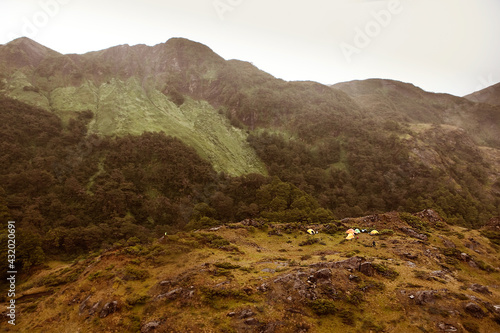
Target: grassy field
x,y
244,278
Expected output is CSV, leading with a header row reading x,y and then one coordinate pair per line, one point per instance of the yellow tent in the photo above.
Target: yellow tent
x,y
310,231
373,232
350,236
350,231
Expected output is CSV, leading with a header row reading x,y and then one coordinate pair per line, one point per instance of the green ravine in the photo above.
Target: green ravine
x,y
126,107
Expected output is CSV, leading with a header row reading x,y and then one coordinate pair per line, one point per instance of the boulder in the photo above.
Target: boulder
x,y
474,310
108,309
246,313
479,288
367,269
151,326
251,321
443,327
323,274
424,297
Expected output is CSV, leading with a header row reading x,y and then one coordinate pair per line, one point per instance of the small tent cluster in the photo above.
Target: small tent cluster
x,y
351,232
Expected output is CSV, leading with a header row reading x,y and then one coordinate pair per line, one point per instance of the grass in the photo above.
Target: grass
x,y
215,282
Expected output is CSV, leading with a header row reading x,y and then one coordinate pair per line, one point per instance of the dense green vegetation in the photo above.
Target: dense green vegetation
x,y
327,155
73,193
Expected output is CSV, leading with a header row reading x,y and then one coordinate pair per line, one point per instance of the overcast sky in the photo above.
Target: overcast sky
x,y
450,46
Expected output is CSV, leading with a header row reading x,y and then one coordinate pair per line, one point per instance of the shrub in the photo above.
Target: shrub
x,y
137,299
322,307
309,241
226,265
347,317
414,221
385,271
134,273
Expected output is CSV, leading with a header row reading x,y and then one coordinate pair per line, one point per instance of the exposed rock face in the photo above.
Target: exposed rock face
x,y
367,269
430,215
480,288
108,309
84,304
447,243
424,297
443,327
474,310
412,233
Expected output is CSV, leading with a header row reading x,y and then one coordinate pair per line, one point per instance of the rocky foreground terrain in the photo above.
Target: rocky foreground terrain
x,y
422,275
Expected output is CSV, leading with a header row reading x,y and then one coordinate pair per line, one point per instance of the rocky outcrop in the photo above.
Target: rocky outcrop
x,y
479,288
474,310
412,233
108,309
423,297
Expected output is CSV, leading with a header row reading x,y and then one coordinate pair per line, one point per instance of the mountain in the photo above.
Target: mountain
x,y
487,95
103,153
118,87
403,102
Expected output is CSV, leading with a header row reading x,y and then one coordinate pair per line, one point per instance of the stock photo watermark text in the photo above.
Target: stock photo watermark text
x,y
224,6
30,25
11,272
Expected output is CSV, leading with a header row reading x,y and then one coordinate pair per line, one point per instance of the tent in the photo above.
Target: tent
x,y
350,236
373,232
357,231
350,231
310,232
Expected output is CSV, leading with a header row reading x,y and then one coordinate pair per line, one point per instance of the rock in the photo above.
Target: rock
x,y
354,278
84,304
251,321
411,256
447,327
152,325
231,314
474,310
173,294
268,270
247,313
94,308
496,308
165,283
411,264
447,243
412,233
108,309
430,215
367,269
465,257
263,287
479,288
323,274
424,297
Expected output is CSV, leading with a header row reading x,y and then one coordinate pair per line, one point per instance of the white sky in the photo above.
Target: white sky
x,y
448,46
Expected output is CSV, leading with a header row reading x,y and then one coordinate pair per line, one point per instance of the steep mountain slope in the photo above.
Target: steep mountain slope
x,y
488,95
128,91
422,275
358,148
403,102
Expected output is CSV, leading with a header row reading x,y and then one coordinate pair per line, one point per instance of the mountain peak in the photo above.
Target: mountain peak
x,y
24,51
